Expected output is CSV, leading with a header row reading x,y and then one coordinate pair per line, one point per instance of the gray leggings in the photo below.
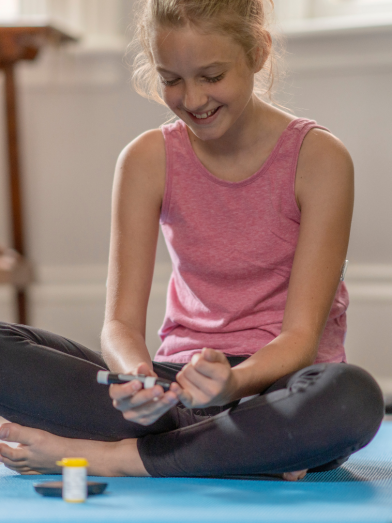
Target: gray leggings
x,y
312,419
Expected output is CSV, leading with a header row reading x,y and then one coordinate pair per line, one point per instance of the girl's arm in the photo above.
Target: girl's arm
x,y
325,194
137,198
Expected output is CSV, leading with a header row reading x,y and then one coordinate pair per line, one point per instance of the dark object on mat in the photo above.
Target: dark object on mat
x,y
54,489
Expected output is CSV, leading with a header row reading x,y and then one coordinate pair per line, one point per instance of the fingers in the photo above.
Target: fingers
x,y
192,395
204,379
217,367
184,395
193,381
210,378
139,405
143,406
132,396
148,413
143,368
125,391
213,355
205,362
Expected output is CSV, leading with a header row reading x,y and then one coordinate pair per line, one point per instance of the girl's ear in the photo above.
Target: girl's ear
x,y
263,52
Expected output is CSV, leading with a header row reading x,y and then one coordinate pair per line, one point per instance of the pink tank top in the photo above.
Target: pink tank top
x,y
232,247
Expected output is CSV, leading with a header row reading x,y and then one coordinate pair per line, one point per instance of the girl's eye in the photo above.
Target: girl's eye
x,y
210,80
168,82
215,78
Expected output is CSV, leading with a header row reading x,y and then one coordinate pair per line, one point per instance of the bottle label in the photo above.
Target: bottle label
x,y
74,484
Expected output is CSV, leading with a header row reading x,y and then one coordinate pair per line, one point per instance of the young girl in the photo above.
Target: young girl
x,y
256,207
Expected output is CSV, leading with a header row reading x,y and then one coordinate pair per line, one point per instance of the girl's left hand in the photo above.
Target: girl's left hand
x,y
207,380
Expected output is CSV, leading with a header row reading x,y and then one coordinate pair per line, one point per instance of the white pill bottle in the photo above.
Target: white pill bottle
x,y
74,479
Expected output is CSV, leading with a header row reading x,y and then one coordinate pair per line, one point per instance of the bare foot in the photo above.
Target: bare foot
x,y
38,451
294,476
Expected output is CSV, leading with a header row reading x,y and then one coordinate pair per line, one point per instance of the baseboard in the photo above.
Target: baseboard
x,y
371,282
70,300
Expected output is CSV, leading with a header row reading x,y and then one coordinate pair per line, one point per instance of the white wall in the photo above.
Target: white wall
x,y
343,79
77,111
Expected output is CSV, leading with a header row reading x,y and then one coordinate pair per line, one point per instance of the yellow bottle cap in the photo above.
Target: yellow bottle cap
x,y
73,462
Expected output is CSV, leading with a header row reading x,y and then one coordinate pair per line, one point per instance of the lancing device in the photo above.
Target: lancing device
x,y
108,378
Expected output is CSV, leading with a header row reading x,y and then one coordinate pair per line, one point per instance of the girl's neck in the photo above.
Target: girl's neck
x,y
247,130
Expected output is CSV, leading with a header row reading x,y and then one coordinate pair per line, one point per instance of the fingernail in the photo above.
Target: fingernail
x,y
155,398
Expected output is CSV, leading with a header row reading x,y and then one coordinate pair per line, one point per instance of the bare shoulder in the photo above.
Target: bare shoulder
x,y
148,146
143,160
324,166
322,149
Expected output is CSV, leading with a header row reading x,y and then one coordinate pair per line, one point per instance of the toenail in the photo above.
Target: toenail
x,y
4,433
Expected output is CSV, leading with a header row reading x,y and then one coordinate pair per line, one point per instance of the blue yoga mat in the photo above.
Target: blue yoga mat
x,y
359,491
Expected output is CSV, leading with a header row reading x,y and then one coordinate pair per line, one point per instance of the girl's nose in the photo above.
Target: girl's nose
x,y
194,99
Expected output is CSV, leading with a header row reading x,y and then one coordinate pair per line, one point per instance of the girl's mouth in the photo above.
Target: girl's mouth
x,y
204,118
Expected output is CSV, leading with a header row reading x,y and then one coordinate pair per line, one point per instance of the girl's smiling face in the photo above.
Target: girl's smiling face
x,y
206,79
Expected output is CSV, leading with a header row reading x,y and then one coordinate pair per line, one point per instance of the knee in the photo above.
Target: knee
x,y
367,398
344,400
358,402
5,330
11,333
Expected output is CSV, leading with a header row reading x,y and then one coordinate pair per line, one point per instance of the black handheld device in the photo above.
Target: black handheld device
x,y
108,378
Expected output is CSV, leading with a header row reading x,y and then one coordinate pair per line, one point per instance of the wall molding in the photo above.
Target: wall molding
x,y
70,301
84,283
354,43
370,282
332,26
344,49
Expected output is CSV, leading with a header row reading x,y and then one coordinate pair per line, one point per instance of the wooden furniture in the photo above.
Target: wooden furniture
x,y
19,42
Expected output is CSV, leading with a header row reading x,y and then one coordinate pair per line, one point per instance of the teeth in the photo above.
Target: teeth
x,y
204,115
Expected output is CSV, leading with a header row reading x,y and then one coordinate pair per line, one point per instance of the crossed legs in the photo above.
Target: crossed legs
x,y
313,419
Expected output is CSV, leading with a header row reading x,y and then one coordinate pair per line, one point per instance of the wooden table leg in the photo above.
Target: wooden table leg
x,y
14,180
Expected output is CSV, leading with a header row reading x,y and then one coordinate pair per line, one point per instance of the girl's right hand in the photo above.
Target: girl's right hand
x,y
139,405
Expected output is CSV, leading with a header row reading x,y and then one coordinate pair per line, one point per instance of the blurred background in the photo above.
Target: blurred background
x,y
77,111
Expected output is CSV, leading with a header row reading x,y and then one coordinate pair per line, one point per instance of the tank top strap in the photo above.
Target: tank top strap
x,y
283,171
299,130
175,155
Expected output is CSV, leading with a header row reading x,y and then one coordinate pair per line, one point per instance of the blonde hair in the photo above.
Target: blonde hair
x,y
246,21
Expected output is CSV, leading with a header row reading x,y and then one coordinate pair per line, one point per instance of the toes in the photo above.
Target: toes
x,y
20,469
7,452
289,476
14,465
4,430
294,476
11,432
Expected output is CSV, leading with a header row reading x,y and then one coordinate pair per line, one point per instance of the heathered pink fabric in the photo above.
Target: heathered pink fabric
x,y
232,246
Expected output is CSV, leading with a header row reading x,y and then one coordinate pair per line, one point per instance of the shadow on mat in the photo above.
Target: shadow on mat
x,y
331,476
357,471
